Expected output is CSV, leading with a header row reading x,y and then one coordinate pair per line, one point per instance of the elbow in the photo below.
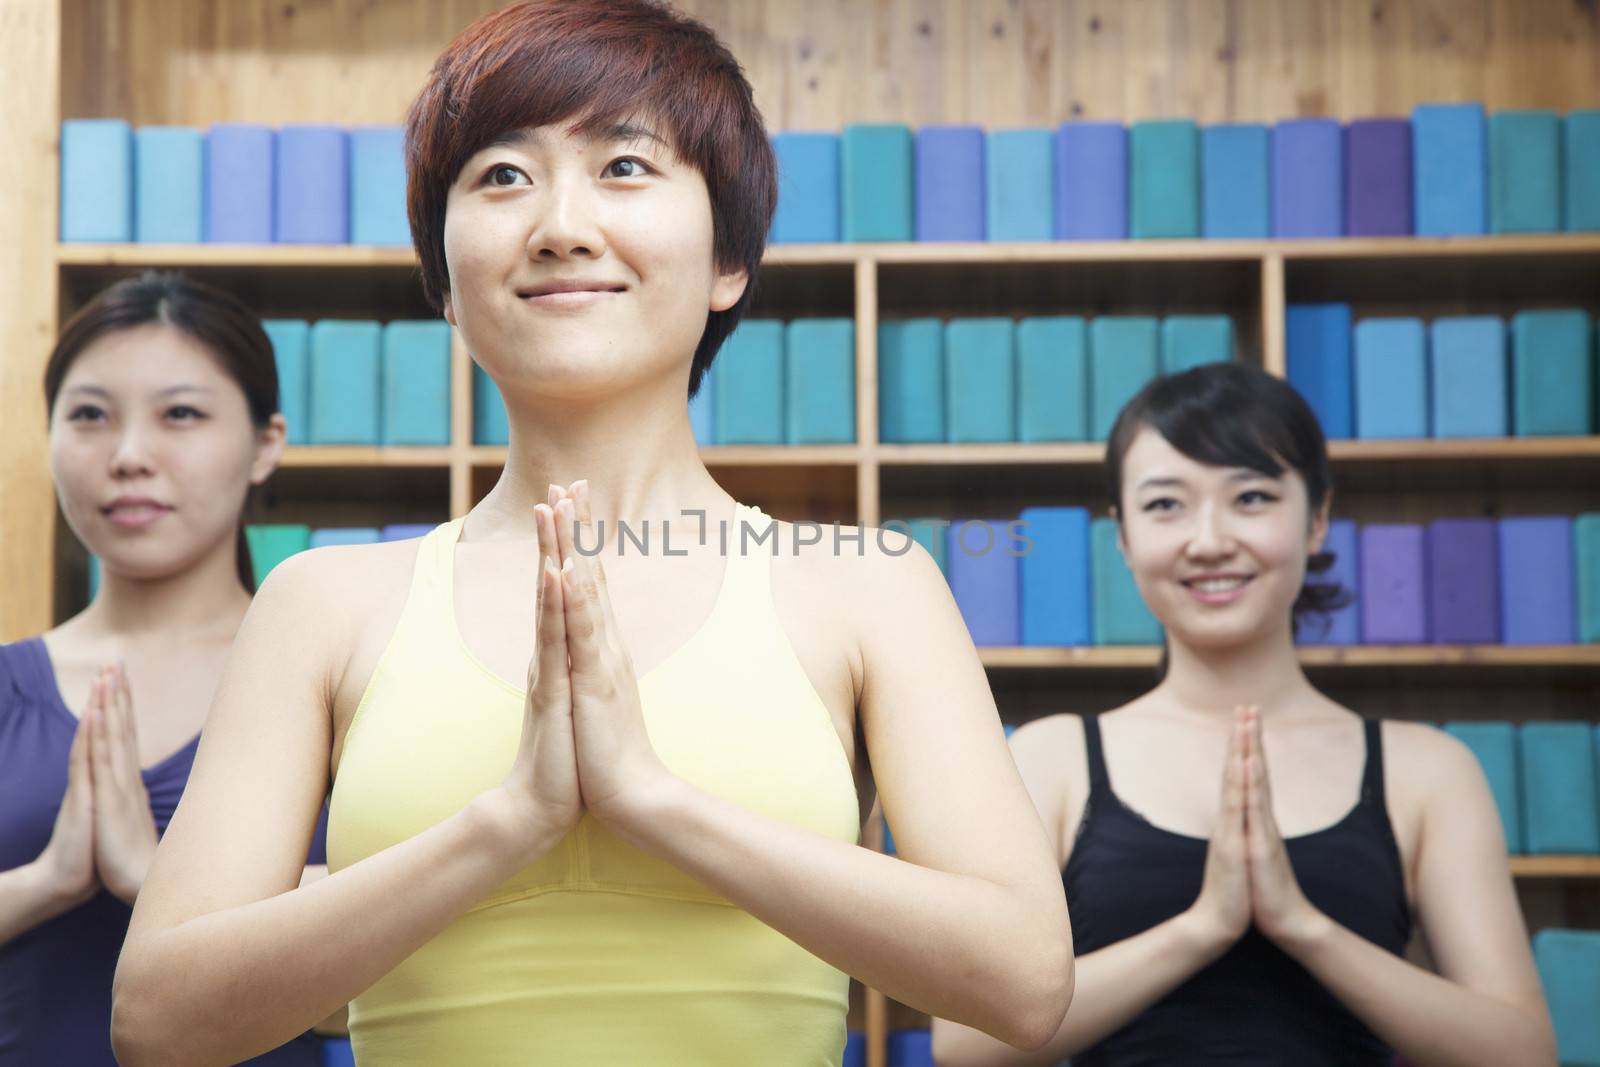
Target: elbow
x,y
139,1035
1039,995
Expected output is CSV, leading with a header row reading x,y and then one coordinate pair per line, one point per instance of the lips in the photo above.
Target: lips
x,y
135,511
559,289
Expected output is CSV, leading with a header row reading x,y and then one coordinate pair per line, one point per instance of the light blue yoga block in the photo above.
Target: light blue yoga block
x,y
1164,164
911,381
983,562
1019,185
820,359
808,188
1552,371
168,185
1053,378
980,375
876,183
1580,174
748,404
1561,811
1495,746
348,535
1470,377
96,180
1391,367
702,415
1524,172
1120,614
1319,358
1235,195
931,534
291,350
240,169
378,186
1586,572
416,383
345,374
1450,170
1342,626
490,425
1055,577
1189,341
1124,354
1569,971
405,531
311,185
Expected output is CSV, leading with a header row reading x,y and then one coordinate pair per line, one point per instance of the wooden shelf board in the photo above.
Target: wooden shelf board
x,y
1555,866
207,255
1113,657
364,456
730,456
1444,450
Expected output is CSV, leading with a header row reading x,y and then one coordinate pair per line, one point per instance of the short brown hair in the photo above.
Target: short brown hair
x,y
596,61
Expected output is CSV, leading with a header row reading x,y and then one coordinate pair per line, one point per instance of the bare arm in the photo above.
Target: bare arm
x,y
63,875
30,897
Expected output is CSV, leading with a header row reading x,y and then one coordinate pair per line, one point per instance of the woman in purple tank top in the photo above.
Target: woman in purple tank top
x,y
163,403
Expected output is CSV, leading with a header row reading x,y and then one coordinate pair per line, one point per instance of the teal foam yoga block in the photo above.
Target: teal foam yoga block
x,y
168,185
1019,185
1189,341
1552,370
1580,174
489,422
1569,970
1586,545
96,180
1164,165
1524,172
1470,377
876,187
1124,354
344,382
1391,367
1495,746
911,381
416,383
1120,614
1053,379
980,377
271,544
291,349
1561,811
931,534
820,358
749,401
378,186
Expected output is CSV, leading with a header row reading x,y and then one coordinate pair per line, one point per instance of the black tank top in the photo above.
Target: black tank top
x,y
1255,1004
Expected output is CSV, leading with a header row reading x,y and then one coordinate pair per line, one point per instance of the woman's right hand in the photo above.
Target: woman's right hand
x,y
67,862
1221,914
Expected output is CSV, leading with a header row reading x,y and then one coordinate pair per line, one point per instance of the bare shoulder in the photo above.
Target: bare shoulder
x,y
864,563
1049,752
1432,759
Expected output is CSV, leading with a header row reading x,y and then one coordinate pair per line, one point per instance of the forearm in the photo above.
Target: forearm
x,y
27,899
1114,984
274,968
993,955
1430,1020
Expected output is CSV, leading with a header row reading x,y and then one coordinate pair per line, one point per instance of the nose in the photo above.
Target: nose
x,y
131,459
567,226
1209,537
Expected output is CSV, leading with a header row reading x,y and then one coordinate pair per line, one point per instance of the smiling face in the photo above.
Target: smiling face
x,y
581,265
1219,553
153,450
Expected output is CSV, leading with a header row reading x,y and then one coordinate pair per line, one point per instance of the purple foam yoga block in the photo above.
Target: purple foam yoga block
x,y
312,185
949,181
1377,156
1307,178
985,577
1464,581
1092,181
1394,610
1536,601
238,194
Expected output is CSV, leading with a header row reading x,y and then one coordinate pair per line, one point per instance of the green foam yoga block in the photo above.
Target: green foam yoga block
x,y
1189,341
749,396
271,544
291,350
1124,354
1495,746
1561,808
911,381
1580,175
1586,543
876,199
416,383
490,425
930,534
1120,614
980,373
1552,372
1569,971
820,358
1164,161
1524,172
1053,379
344,382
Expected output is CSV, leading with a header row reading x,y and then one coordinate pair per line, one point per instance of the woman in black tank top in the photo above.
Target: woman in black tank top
x,y
1210,924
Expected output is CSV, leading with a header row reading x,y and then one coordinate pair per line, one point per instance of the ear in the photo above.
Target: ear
x,y
270,443
727,289
1319,525
449,308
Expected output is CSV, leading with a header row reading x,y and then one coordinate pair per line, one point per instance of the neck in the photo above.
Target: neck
x,y
200,602
1213,681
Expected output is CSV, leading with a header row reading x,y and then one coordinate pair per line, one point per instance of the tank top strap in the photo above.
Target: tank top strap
x,y
1372,778
1099,781
432,579
747,546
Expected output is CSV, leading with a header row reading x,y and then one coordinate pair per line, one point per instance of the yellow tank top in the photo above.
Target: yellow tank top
x,y
597,953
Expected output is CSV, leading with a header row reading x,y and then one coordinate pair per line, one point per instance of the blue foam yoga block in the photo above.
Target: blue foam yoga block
x,y
982,563
1391,370
416,383
876,183
911,381
168,185
404,531
1164,161
345,376
1091,181
490,425
1586,566
1235,193
239,180
933,535
1189,341
1124,354
378,186
949,180
1378,183
1561,811
1495,746
1580,170
1524,172
270,544
748,404
1552,371
1319,358
1055,577
1569,970
345,535
1019,181
910,1048
702,416
1464,581
1469,376
1536,595
855,1049
1450,170
808,188
311,185
291,349
1120,614
96,180
820,360
1307,178
1394,604
980,375
338,1052
1341,626
1053,379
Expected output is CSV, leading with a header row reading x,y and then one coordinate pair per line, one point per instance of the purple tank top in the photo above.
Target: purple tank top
x,y
55,979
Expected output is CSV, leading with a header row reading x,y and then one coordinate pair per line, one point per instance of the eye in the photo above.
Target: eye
x,y
86,413
504,175
185,413
639,169
1160,503
1251,497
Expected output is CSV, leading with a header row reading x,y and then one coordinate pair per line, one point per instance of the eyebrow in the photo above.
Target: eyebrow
x,y
1243,475
616,131
171,390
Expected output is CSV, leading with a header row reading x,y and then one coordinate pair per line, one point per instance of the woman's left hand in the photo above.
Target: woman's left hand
x,y
1278,906
124,829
